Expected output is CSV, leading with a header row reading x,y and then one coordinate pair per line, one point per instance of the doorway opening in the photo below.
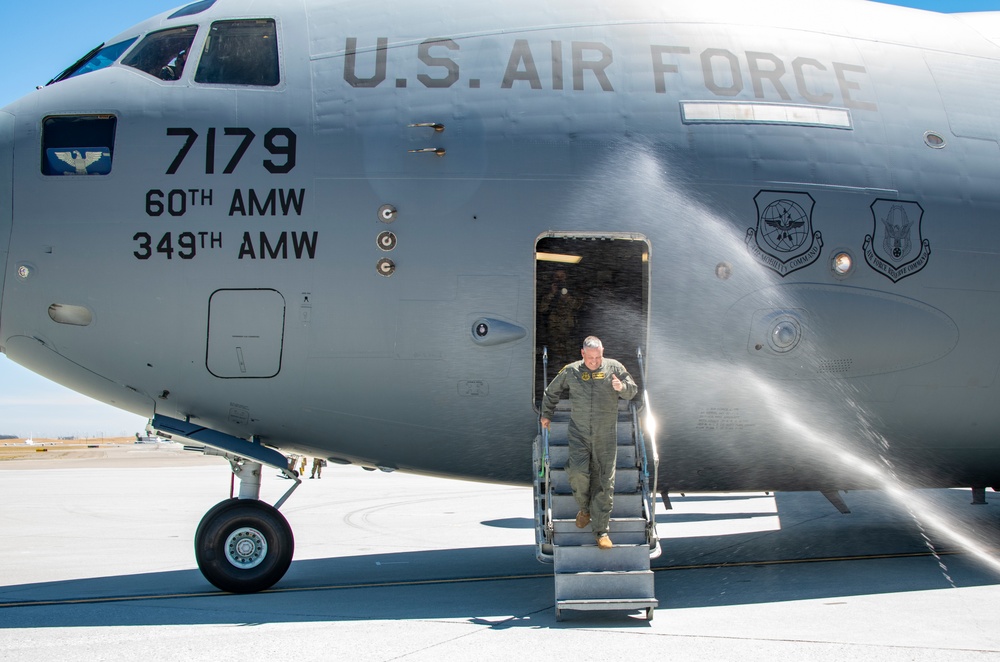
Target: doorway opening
x,y
590,285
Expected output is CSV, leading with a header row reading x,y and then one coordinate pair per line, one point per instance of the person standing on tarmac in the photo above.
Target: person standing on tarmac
x,y
595,384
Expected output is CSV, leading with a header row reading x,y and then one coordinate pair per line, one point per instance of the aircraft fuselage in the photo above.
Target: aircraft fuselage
x,y
308,261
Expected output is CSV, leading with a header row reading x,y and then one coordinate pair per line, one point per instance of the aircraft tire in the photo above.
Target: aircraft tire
x,y
243,545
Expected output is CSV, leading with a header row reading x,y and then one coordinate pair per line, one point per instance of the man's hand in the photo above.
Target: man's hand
x,y
616,383
545,423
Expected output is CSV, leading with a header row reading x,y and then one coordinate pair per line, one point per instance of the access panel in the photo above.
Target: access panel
x,y
245,333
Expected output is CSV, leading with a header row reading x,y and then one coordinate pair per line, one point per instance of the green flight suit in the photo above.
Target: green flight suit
x,y
593,433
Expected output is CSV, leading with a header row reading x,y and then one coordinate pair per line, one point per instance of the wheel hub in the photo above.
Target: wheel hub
x,y
246,548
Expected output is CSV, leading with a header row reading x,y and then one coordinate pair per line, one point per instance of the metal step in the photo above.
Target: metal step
x,y
583,537
590,558
624,531
604,605
626,456
559,430
626,480
560,436
625,505
629,585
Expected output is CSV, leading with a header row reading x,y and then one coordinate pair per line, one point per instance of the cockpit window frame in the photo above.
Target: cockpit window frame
x,y
212,78
169,64
82,66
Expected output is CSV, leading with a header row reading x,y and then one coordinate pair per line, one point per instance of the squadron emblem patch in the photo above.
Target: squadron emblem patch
x,y
896,248
784,239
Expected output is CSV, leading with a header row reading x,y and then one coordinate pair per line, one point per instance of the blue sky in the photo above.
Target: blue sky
x,y
41,40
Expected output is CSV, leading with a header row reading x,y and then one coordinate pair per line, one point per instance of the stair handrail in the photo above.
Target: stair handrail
x,y
545,449
649,478
545,535
545,383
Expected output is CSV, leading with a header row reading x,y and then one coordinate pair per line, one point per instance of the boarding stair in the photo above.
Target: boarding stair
x,y
588,578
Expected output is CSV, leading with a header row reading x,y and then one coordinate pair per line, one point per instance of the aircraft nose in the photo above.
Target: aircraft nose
x,y
6,196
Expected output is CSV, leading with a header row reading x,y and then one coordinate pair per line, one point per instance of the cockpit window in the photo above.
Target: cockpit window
x,y
163,54
240,53
100,57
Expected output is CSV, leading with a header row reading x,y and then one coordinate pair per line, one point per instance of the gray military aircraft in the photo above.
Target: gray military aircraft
x,y
358,221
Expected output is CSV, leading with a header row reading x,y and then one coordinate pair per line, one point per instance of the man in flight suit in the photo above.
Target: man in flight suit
x,y
595,384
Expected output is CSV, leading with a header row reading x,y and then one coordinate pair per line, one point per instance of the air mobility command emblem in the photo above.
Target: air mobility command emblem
x,y
784,239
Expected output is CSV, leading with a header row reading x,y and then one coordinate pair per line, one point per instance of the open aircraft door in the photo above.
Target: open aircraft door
x,y
590,285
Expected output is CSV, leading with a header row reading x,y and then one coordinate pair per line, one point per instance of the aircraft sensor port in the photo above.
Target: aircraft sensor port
x,y
489,331
386,241
385,267
785,335
387,213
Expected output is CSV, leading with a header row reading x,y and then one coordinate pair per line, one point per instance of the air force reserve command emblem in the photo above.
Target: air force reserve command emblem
x,y
784,239
896,249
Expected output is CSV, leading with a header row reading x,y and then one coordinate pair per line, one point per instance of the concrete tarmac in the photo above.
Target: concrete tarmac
x,y
98,564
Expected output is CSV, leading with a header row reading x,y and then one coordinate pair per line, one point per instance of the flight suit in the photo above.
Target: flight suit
x,y
593,433
561,310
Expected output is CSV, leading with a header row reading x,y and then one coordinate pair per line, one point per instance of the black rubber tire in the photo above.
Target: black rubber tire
x,y
265,524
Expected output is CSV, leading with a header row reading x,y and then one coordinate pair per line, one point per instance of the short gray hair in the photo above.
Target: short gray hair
x,y
592,342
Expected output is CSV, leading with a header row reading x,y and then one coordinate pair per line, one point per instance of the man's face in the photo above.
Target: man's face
x,y
592,357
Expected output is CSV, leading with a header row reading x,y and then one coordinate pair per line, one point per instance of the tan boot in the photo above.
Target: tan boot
x,y
604,541
582,519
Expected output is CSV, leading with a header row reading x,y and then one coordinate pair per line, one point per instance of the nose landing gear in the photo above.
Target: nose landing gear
x,y
242,544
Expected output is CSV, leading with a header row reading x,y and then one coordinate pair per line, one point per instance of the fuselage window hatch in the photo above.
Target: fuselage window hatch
x,y
243,52
163,53
78,144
